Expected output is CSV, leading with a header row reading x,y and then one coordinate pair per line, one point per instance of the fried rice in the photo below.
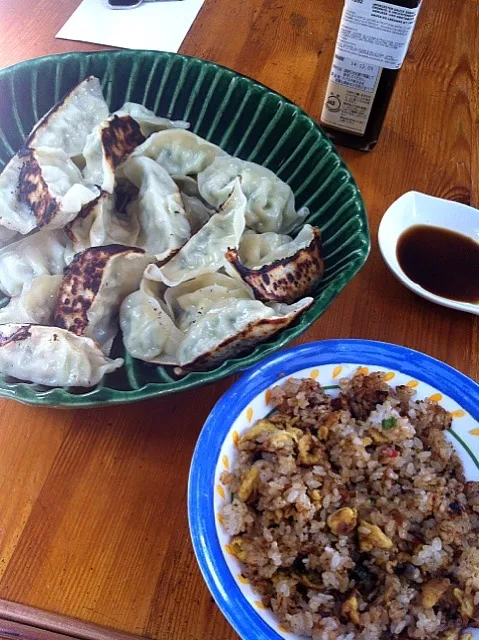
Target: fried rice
x,y
352,517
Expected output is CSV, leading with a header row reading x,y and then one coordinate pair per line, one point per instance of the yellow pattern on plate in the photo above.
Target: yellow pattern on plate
x,y
363,371
235,438
260,605
249,414
412,384
221,491
314,374
281,628
458,413
242,579
436,397
337,371
226,462
267,396
389,376
474,432
220,518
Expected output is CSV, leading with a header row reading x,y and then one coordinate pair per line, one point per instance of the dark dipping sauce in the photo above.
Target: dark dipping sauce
x,y
444,262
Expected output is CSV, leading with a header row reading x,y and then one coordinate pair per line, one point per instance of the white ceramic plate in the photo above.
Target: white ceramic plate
x,y
413,209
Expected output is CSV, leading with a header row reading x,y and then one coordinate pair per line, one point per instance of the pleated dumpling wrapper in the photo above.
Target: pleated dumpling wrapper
x,y
154,320
42,253
98,224
231,327
271,205
36,303
67,125
286,273
52,356
107,146
148,120
197,211
164,226
205,251
188,301
204,322
148,330
94,285
112,141
180,152
42,188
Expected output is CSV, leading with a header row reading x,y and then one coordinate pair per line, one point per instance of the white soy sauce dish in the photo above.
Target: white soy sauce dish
x,y
415,209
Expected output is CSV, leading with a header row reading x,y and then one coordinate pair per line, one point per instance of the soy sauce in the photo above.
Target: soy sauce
x,y
373,40
443,262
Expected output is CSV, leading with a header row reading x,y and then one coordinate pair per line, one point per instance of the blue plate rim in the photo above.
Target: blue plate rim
x,y
201,517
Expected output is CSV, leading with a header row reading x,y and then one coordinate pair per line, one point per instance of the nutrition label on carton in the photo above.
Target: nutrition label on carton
x,y
376,32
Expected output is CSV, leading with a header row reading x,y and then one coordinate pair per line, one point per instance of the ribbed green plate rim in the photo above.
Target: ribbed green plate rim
x,y
134,74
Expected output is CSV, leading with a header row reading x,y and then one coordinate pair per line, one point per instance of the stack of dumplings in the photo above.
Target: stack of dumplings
x,y
130,222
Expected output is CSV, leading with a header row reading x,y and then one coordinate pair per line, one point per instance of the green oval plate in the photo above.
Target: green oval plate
x,y
242,116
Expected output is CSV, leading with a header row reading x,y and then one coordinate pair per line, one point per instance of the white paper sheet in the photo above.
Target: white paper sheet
x,y
161,26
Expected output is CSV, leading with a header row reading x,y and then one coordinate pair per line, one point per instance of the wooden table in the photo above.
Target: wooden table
x,y
93,503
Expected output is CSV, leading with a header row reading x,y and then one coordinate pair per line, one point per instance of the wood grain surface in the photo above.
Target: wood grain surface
x,y
92,503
